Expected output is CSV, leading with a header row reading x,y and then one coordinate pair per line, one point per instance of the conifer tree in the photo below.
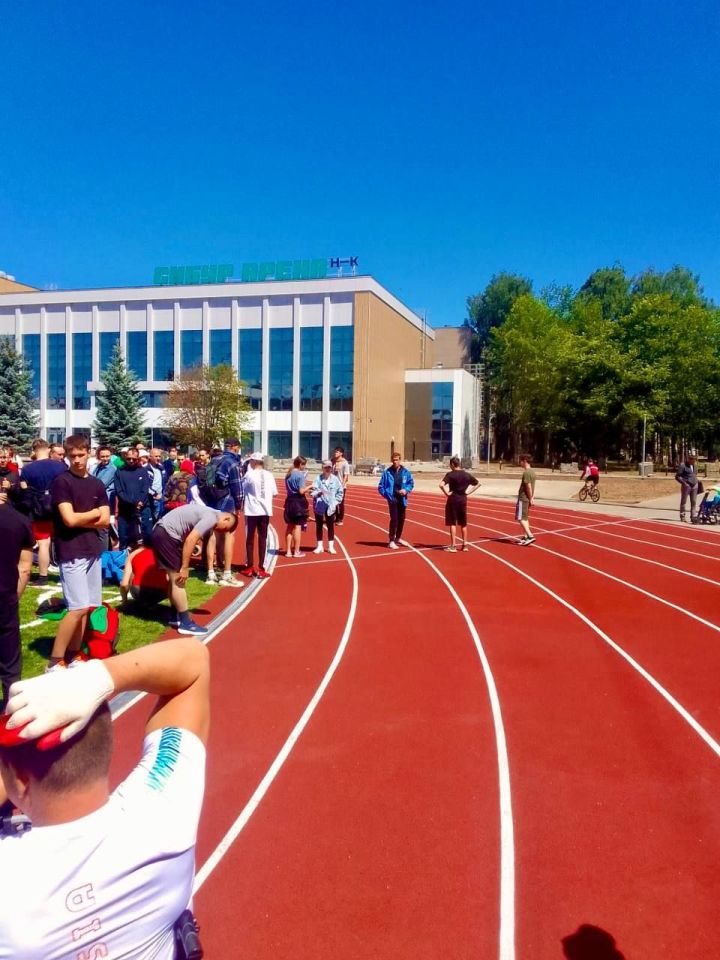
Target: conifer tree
x,y
18,416
118,414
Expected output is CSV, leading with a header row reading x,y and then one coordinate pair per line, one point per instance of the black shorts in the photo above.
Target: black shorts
x,y
296,510
167,551
456,511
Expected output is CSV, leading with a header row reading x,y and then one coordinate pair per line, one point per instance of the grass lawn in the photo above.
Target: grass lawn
x,y
138,625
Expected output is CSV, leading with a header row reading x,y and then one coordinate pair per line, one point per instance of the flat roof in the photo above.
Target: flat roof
x,y
206,291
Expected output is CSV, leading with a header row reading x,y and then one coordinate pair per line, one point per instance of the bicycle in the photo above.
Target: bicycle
x,y
589,489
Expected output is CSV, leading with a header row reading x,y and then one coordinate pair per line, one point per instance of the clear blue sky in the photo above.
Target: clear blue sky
x,y
439,143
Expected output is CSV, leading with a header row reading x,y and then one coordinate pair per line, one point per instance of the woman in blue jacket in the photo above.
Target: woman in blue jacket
x,y
395,485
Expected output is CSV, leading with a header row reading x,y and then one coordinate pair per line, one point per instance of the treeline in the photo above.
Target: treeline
x,y
576,372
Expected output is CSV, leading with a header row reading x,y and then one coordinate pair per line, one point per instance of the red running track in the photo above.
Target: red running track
x,y
386,829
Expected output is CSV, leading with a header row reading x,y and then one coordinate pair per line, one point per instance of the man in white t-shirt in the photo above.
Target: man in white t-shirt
x,y
100,874
341,469
259,488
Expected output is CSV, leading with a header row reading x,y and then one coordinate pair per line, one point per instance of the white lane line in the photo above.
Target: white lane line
x,y
507,841
664,693
262,788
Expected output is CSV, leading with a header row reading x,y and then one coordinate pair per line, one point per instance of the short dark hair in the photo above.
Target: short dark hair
x,y
454,462
40,444
525,456
104,446
233,525
340,450
232,442
76,441
82,759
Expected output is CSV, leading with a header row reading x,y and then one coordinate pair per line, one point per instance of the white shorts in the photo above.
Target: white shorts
x,y
82,583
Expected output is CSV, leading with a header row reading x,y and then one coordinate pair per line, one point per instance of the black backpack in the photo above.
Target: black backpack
x,y
40,504
213,488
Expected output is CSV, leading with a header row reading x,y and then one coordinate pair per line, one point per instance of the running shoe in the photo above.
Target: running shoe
x,y
465,548
331,547
58,665
53,568
451,549
393,545
228,580
173,623
298,555
339,523
247,571
319,549
39,581
211,577
261,574
192,629
288,554
526,541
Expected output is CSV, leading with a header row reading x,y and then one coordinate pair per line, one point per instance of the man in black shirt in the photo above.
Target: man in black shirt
x,y
132,488
455,486
17,546
80,512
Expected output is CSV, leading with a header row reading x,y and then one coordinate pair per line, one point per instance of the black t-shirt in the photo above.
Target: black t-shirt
x,y
459,481
83,493
15,536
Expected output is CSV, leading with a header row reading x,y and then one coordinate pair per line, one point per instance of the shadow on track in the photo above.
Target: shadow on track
x,y
590,943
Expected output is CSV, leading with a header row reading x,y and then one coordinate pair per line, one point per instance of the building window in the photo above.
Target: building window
x,y
83,431
137,353
341,368
164,359
250,365
343,440
190,349
311,368
442,415
280,444
107,345
220,347
310,444
281,368
56,371
31,352
155,398
82,370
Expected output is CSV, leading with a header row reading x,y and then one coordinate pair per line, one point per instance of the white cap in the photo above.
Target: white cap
x,y
257,456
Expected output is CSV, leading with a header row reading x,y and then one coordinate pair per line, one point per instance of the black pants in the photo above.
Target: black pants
x,y
260,524
330,523
339,514
397,507
10,656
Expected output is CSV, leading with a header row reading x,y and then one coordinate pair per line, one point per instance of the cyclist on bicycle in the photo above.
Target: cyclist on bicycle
x,y
590,475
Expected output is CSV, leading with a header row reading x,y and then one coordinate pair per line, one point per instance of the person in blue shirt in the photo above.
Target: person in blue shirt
x,y
395,484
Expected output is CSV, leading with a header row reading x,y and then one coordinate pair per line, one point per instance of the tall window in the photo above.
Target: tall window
x,y
279,444
155,398
341,368
190,349
137,353
250,365
220,347
56,371
107,345
311,368
310,444
31,352
442,414
82,370
343,440
281,368
164,359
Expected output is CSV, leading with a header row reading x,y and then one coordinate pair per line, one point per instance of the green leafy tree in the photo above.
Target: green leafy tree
x,y
18,419
679,283
610,289
119,418
206,406
491,308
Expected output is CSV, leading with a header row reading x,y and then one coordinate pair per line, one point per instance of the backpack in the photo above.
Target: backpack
x,y
40,504
177,488
101,634
214,488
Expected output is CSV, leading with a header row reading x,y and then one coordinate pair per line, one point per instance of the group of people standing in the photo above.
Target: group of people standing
x,y
328,497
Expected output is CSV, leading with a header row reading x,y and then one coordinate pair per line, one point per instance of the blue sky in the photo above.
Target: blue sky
x,y
439,143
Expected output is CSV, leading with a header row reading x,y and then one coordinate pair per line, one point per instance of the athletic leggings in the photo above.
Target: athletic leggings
x,y
397,507
261,525
330,521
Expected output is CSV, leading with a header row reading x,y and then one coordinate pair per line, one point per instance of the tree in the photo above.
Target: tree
x,y
610,288
119,418
490,309
679,283
18,419
206,405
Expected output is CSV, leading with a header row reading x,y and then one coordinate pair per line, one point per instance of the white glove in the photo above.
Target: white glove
x,y
62,698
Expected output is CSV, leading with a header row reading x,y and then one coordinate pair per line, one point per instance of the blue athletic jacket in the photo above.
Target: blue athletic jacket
x,y
386,487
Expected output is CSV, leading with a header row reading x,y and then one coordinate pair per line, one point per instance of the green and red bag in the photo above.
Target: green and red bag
x,y
101,633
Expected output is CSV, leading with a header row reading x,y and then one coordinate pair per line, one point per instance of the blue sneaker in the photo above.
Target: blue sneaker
x,y
173,623
192,629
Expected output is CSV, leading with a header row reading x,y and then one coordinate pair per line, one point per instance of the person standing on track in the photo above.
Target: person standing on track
x,y
259,488
101,874
327,493
395,484
455,486
526,495
341,469
687,477
295,512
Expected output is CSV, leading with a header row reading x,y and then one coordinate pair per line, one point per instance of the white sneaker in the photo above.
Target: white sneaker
x,y
393,545
298,555
288,554
331,547
53,568
211,577
318,549
228,580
